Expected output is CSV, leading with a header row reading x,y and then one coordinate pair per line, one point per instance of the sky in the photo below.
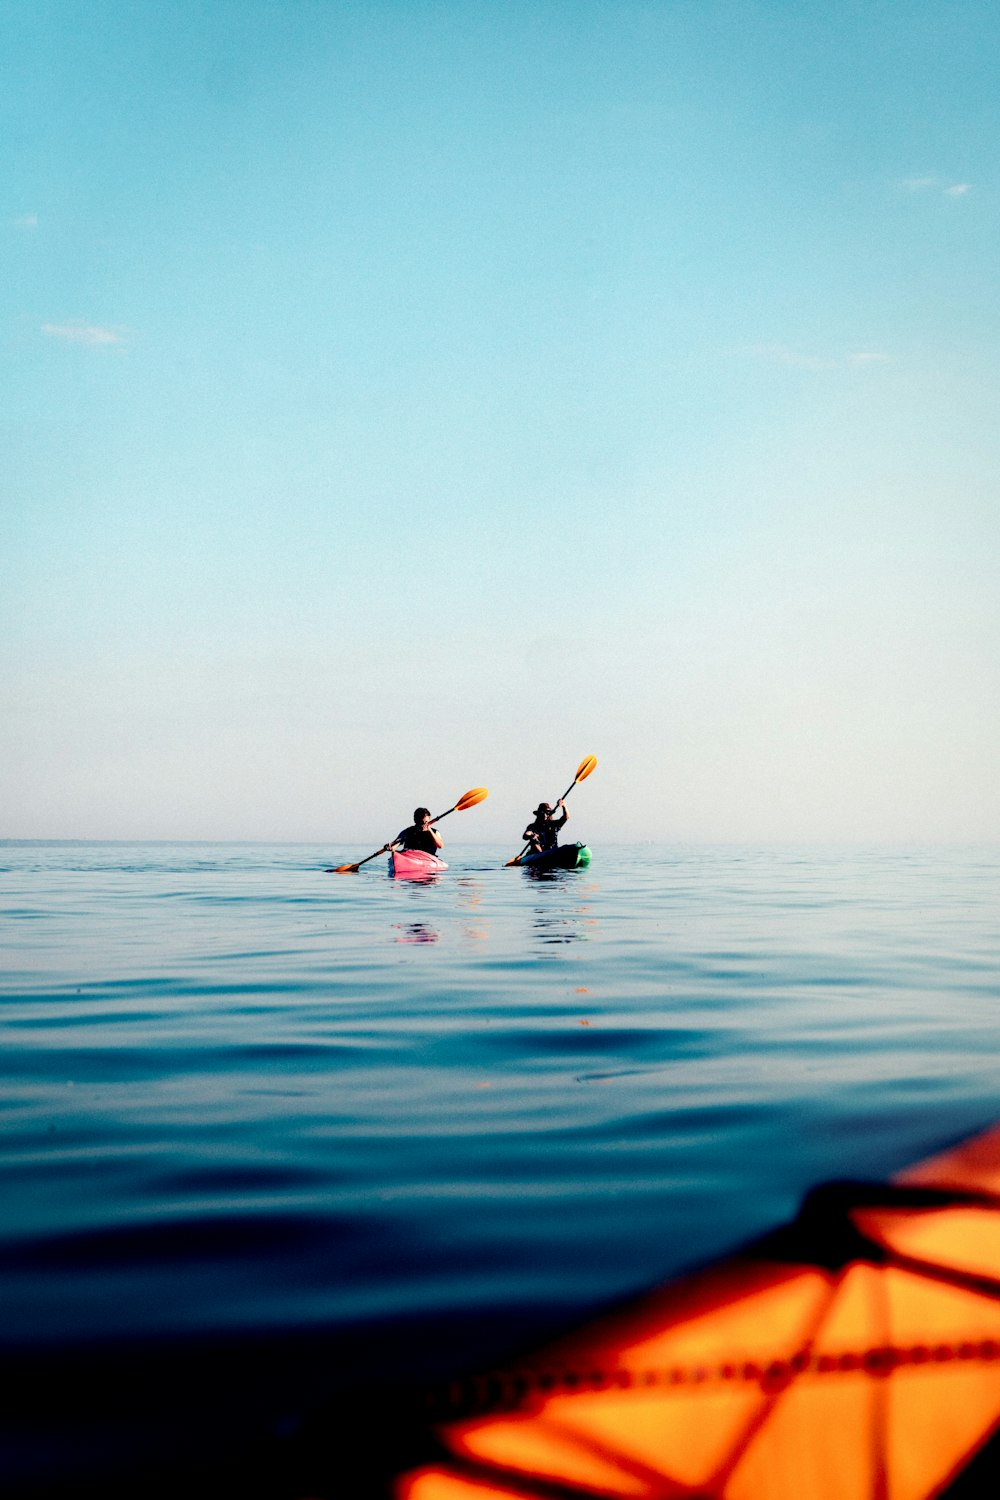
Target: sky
x,y
397,398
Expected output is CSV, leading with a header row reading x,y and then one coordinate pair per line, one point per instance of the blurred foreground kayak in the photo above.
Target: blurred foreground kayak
x,y
853,1354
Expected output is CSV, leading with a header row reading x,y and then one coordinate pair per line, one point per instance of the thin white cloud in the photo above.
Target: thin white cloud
x,y
783,354
85,333
26,221
935,185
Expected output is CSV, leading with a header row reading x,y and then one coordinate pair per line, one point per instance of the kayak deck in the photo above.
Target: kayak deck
x,y
414,863
562,857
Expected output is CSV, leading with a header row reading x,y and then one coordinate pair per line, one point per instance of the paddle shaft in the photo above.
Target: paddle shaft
x,y
351,869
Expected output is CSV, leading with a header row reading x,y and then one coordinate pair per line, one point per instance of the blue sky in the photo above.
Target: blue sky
x,y
402,397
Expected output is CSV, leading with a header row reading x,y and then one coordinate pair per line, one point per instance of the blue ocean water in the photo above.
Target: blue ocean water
x,y
248,1105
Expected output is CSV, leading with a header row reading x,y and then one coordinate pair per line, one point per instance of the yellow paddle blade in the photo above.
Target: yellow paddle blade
x,y
478,794
588,764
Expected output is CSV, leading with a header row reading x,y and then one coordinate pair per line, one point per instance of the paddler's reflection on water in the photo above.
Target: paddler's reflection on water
x,y
562,927
470,896
415,932
556,923
469,890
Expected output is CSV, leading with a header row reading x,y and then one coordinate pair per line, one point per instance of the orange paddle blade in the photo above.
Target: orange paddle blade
x,y
342,870
478,794
588,764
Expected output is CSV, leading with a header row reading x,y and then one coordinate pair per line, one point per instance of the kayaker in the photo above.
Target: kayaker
x,y
419,835
543,833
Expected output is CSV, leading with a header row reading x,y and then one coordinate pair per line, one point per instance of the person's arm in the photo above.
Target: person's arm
x,y
565,815
436,837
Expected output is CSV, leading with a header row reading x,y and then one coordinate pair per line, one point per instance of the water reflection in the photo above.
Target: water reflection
x,y
416,932
563,924
470,891
470,896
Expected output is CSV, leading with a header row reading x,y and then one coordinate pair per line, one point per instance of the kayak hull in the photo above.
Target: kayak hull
x,y
410,864
563,857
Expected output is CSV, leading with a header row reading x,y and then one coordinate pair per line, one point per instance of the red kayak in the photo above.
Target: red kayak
x,y
414,863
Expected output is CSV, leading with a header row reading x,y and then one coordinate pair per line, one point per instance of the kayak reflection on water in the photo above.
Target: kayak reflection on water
x,y
416,932
554,926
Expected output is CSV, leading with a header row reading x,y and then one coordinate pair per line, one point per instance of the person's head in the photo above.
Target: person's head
x,y
543,810
419,814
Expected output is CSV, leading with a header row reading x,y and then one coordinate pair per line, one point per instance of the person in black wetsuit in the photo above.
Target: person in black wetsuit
x,y
543,833
419,835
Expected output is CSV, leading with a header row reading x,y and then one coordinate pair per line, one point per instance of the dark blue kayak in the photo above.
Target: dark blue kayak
x,y
562,857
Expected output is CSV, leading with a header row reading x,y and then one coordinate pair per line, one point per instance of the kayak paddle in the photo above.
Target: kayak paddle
x,y
583,770
477,794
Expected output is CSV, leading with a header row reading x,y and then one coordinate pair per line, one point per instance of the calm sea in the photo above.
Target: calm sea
x,y
288,1134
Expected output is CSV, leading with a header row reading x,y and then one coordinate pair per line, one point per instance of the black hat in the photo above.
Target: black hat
x,y
542,807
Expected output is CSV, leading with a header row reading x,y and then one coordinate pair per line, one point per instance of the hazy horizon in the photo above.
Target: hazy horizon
x,y
332,842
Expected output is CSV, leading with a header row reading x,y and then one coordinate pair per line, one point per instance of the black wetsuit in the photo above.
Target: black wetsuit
x,y
546,829
417,838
